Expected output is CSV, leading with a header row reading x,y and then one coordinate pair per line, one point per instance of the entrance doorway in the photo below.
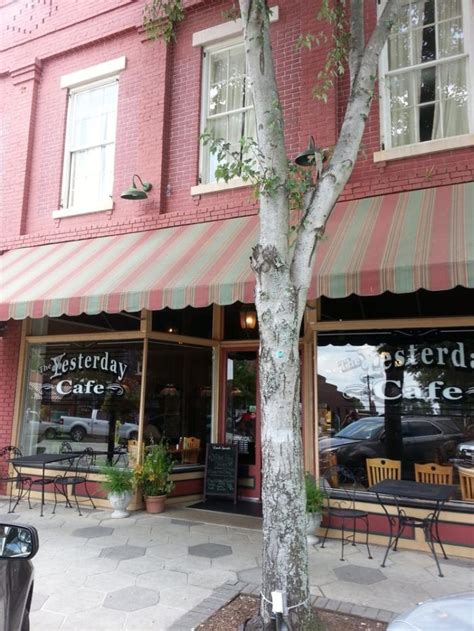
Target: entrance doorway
x,y
241,416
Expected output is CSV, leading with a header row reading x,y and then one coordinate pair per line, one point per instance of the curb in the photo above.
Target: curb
x,y
222,596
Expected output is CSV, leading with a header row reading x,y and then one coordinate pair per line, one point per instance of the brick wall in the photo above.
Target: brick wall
x,y
159,117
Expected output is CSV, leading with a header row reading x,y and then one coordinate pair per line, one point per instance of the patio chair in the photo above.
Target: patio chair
x,y
75,476
15,478
190,452
466,481
433,473
341,505
379,469
44,481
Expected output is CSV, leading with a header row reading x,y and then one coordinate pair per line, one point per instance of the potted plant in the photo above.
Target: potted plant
x,y
315,498
153,477
118,484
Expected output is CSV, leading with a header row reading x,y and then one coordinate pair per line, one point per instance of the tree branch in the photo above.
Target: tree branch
x,y
274,210
345,153
357,37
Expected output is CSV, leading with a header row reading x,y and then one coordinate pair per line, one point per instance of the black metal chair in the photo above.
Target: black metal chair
x,y
15,478
75,476
340,486
65,447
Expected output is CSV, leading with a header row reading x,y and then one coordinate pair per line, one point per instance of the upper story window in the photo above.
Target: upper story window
x,y
90,145
89,150
426,68
227,106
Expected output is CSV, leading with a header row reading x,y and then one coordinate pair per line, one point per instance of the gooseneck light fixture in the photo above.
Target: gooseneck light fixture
x,y
137,193
308,157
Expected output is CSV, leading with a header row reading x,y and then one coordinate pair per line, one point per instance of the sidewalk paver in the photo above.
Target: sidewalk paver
x,y
172,571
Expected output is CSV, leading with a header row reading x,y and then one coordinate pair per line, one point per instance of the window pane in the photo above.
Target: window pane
x,y
237,92
405,397
402,114
451,38
218,128
451,117
448,9
427,85
218,86
428,46
426,118
87,395
399,51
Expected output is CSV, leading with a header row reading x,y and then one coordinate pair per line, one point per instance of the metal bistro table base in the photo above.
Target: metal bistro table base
x,y
41,460
436,494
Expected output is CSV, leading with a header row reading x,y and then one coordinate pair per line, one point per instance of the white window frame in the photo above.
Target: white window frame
x,y
215,38
77,82
430,146
204,156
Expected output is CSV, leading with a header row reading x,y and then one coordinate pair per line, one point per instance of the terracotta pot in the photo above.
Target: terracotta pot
x,y
155,503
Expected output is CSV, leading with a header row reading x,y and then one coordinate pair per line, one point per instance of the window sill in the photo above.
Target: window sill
x,y
422,148
216,187
73,212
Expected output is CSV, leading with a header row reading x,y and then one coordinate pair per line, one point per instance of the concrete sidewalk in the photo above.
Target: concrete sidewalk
x,y
172,571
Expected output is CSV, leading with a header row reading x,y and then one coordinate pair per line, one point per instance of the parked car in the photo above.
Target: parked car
x,y
450,613
18,545
465,451
78,427
422,437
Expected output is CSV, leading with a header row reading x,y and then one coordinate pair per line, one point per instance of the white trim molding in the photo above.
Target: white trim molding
x,y
93,73
217,187
422,148
224,31
107,204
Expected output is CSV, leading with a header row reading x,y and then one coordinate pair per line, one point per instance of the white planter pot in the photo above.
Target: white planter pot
x,y
313,521
119,502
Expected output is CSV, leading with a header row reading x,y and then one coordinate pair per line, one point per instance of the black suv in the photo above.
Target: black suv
x,y
424,439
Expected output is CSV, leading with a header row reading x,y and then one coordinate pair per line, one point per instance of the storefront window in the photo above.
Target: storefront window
x,y
187,321
179,400
406,395
85,394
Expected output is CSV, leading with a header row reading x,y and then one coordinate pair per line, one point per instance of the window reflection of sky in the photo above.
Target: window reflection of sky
x,y
348,367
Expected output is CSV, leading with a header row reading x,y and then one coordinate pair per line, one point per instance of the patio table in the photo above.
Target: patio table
x,y
42,460
434,496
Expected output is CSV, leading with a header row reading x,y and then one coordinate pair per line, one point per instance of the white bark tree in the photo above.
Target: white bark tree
x,y
283,266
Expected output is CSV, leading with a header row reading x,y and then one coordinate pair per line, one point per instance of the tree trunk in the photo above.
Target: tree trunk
x,y
285,565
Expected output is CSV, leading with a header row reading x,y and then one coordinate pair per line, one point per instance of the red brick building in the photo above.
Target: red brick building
x,y
98,290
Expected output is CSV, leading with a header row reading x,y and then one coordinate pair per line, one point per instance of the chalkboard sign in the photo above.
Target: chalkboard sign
x,y
221,471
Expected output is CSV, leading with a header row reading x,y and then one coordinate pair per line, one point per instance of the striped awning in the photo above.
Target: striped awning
x,y
398,243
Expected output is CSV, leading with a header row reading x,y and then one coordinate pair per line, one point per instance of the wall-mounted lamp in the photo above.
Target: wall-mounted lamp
x,y
248,318
308,158
135,193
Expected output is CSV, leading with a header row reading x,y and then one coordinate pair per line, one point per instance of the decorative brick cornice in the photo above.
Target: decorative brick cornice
x,y
31,72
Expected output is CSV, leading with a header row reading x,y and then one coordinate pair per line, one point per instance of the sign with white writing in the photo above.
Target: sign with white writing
x,y
67,372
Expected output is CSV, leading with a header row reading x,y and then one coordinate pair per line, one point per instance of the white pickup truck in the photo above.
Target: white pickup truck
x,y
78,427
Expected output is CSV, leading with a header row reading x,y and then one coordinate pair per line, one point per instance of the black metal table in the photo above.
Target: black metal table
x,y
42,460
434,497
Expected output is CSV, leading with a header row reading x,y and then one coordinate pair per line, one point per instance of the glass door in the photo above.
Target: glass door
x,y
242,423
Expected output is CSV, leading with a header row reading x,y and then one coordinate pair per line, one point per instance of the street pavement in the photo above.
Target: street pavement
x,y
172,571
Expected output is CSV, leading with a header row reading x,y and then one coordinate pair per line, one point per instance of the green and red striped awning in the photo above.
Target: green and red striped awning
x,y
397,243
